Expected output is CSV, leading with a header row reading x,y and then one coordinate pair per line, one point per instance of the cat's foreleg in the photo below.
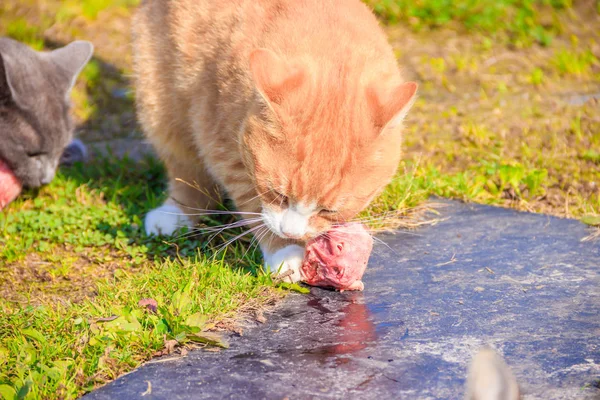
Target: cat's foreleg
x,y
166,219
283,257
191,191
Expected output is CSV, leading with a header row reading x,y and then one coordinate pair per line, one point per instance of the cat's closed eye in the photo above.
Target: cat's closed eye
x,y
36,153
327,212
281,198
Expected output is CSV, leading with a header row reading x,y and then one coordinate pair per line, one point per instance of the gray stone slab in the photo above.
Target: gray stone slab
x,y
523,283
134,148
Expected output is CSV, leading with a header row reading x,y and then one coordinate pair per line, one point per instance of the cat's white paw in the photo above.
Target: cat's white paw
x,y
165,220
286,259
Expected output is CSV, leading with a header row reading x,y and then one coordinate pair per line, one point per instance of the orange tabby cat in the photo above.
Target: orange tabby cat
x,y
293,108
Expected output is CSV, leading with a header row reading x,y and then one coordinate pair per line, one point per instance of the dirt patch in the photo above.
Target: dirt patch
x,y
511,127
62,276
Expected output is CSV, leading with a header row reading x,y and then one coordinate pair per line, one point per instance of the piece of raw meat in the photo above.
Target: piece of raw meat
x,y
10,187
339,258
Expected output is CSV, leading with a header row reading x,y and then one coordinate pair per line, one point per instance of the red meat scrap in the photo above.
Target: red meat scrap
x,y
339,258
10,187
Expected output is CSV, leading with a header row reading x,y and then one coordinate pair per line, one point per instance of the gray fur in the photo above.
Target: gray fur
x,y
35,125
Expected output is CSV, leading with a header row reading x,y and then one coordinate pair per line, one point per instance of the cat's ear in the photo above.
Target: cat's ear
x,y
273,76
71,59
6,91
10,87
389,107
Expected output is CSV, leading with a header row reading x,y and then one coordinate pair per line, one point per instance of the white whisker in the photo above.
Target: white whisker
x,y
210,212
250,222
237,237
385,244
256,239
219,228
255,197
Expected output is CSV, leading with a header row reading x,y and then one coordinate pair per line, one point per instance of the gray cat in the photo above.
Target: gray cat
x,y
35,123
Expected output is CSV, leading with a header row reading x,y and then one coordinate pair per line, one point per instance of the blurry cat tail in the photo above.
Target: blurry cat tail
x,y
489,378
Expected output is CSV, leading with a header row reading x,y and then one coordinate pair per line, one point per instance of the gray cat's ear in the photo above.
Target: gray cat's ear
x,y
7,86
71,59
5,92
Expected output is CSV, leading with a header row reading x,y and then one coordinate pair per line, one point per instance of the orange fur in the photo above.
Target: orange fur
x,y
261,98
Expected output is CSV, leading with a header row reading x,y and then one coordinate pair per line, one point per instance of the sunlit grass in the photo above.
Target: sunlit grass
x,y
90,8
517,21
21,30
61,350
83,235
569,62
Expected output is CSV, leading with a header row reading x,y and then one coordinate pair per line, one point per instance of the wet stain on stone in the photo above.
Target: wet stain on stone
x,y
316,304
244,355
291,314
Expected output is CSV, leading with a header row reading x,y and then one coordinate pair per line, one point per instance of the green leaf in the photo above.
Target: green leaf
x,y
127,323
4,354
592,220
133,326
294,287
24,391
35,335
592,156
27,353
181,299
52,373
162,327
180,336
63,365
114,325
211,338
196,320
7,392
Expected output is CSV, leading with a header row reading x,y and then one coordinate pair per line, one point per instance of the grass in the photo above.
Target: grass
x,y
538,167
509,136
91,8
519,22
569,62
64,349
27,22
57,338
19,29
492,125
